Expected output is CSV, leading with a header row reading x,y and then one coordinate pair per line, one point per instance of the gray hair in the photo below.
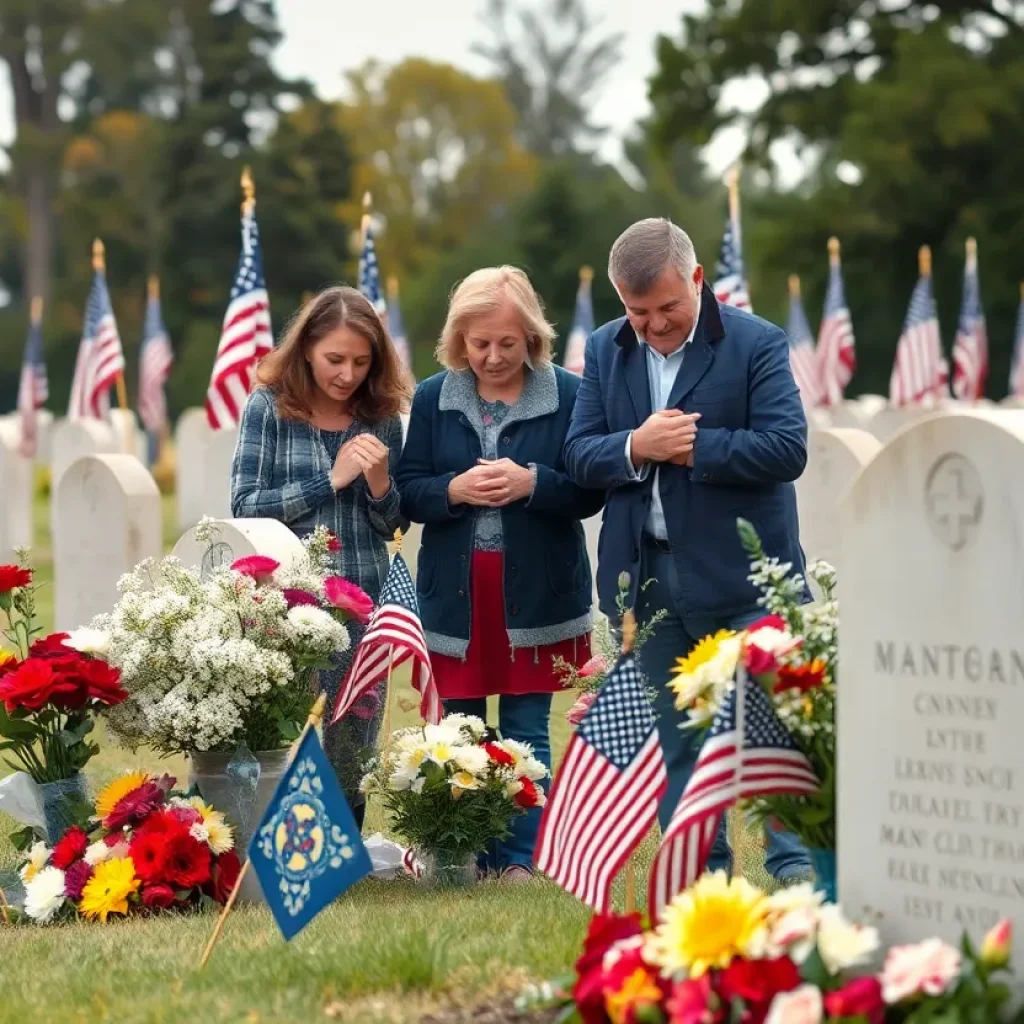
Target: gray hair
x,y
645,249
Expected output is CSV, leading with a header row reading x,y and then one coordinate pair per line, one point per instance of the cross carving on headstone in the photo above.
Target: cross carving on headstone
x,y
953,499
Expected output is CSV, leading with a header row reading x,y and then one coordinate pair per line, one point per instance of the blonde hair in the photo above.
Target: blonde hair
x,y
483,292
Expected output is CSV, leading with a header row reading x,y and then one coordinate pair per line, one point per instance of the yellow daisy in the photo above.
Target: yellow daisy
x,y
710,648
109,889
638,990
112,794
708,925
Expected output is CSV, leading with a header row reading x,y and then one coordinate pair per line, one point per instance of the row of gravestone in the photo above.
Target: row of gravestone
x,y
927,534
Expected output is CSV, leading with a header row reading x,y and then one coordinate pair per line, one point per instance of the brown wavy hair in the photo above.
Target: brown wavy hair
x,y
286,370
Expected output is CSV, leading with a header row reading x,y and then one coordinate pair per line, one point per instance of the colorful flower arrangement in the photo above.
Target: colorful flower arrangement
x,y
451,787
726,952
212,660
50,687
150,849
793,653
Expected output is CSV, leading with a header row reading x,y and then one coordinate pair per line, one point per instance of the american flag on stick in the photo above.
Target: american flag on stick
x,y
837,356
582,324
396,326
605,796
100,361
747,753
33,387
246,335
918,372
155,361
730,285
1017,359
369,268
803,359
393,636
970,348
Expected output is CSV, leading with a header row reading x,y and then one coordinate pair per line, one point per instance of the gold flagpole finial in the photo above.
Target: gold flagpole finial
x,y
248,190
99,256
36,310
587,274
924,261
364,224
971,248
628,630
153,286
794,286
833,251
732,180
398,540
316,712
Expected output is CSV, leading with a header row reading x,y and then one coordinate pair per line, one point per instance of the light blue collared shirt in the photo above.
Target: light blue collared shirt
x,y
661,375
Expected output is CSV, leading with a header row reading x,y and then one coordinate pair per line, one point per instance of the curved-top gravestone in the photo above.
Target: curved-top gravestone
x,y
106,515
71,439
16,485
931,688
237,538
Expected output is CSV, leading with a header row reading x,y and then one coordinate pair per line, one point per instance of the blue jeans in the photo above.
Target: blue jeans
x,y
674,637
522,717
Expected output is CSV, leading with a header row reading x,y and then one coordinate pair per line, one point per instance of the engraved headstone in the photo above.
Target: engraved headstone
x,y
931,766
16,487
71,439
106,520
237,538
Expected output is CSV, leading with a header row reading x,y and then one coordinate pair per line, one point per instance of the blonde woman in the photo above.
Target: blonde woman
x,y
503,577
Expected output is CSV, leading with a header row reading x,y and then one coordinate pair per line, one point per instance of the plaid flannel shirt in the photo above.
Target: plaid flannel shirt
x,y
281,470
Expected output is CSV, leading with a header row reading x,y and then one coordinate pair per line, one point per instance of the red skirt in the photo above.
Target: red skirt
x,y
490,666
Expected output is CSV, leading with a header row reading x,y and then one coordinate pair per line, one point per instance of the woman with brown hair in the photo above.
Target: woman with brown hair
x,y
318,441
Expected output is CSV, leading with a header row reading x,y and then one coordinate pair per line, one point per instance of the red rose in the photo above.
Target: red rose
x,y
588,991
689,1003
349,598
757,983
12,577
223,876
498,755
186,861
333,544
69,848
135,806
861,997
529,795
158,896
800,677
259,567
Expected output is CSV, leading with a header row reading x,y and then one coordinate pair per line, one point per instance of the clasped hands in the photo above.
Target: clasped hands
x,y
665,436
367,455
491,483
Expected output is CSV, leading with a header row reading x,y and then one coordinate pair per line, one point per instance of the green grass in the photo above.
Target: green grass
x,y
387,951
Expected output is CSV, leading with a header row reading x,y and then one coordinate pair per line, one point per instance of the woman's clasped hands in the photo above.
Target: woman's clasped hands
x,y
366,455
491,483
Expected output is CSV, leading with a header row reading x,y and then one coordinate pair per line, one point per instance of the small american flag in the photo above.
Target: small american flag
x,y
369,271
396,326
970,348
155,362
33,387
803,359
393,635
1017,359
730,285
605,797
918,370
837,355
747,753
582,326
246,335
100,358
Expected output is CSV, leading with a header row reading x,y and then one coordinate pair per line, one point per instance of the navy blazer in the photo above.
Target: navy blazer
x,y
751,445
548,589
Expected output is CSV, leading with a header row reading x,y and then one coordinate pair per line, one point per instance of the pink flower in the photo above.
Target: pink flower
x,y
997,945
928,967
367,705
297,597
767,640
259,567
595,666
348,598
583,703
333,544
801,1006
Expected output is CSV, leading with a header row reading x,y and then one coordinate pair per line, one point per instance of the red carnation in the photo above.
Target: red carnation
x,y
75,878
186,861
135,806
102,682
69,848
768,622
690,1003
529,795
757,983
259,567
498,755
588,991
349,598
32,685
158,896
333,544
51,646
147,852
862,997
801,677
12,577
223,876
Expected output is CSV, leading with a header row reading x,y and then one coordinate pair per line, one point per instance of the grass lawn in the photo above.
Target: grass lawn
x,y
387,951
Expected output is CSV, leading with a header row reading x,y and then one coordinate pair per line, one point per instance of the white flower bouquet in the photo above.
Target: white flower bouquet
x,y
212,662
450,789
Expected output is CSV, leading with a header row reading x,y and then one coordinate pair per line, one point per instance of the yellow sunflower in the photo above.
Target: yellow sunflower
x,y
712,648
112,794
109,889
707,926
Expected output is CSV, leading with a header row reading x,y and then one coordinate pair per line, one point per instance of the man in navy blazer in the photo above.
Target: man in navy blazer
x,y
689,418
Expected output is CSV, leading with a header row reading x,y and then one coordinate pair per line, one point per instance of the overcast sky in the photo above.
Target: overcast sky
x,y
323,38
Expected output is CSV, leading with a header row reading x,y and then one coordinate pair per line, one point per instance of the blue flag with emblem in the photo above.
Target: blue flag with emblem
x,y
307,849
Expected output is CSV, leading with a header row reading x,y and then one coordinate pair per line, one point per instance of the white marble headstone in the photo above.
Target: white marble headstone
x,y
834,458
71,439
931,687
238,538
888,421
851,413
592,534
106,520
217,456
191,435
17,479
